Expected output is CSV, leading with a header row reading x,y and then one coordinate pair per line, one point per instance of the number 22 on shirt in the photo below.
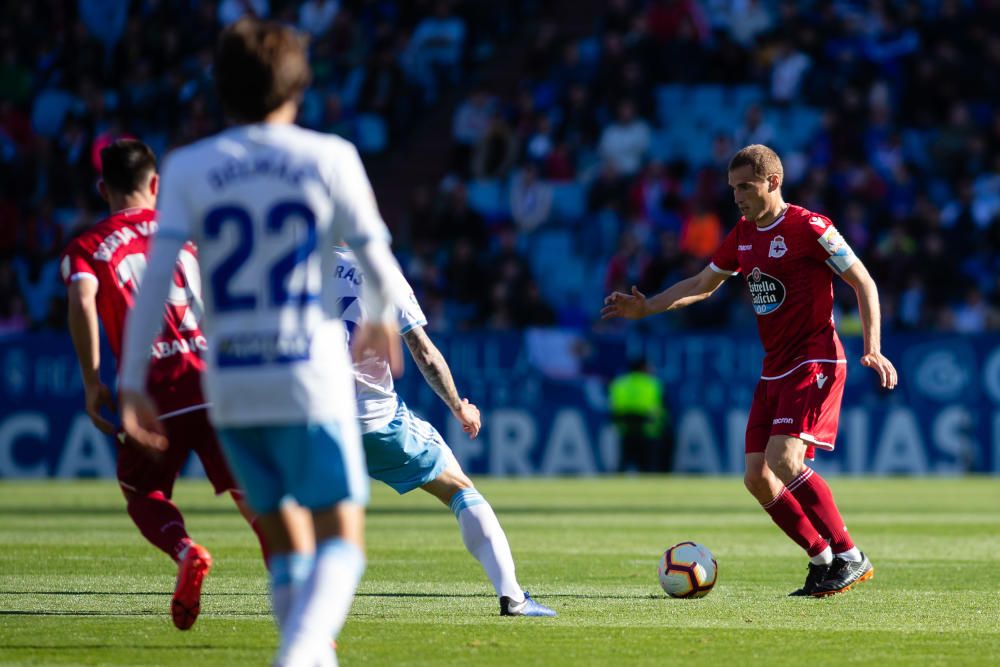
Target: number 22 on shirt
x,y
270,265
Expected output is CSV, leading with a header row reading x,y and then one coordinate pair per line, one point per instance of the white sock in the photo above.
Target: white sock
x,y
486,541
824,557
288,573
851,554
319,611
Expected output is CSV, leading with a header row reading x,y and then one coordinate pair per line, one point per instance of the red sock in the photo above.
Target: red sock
x,y
160,522
817,502
787,513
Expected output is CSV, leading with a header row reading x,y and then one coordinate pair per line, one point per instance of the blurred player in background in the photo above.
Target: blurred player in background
x,y
788,256
406,452
264,201
103,269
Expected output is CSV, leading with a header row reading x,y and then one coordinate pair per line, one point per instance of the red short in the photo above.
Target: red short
x,y
804,404
187,432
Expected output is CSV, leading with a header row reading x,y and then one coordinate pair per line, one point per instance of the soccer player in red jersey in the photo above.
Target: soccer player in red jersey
x,y
788,256
103,269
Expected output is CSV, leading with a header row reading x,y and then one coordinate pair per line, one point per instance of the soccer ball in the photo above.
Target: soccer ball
x,y
688,570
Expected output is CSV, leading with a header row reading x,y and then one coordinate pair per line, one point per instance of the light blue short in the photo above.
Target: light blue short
x,y
313,463
407,452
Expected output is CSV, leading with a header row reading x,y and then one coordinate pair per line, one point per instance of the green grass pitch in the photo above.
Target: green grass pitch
x,y
79,586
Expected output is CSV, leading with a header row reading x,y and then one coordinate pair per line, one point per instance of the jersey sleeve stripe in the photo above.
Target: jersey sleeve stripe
x,y
411,326
82,275
718,269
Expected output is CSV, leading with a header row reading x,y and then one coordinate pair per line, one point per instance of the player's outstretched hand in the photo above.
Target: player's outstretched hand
x,y
141,423
468,416
97,396
380,339
630,306
886,371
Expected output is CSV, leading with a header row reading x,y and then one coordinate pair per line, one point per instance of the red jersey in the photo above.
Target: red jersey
x,y
789,267
113,253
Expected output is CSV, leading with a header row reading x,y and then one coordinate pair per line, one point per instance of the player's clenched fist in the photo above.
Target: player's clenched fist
x,y
630,306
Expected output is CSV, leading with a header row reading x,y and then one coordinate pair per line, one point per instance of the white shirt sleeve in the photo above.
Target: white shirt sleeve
x,y
359,223
412,316
385,296
356,216
173,212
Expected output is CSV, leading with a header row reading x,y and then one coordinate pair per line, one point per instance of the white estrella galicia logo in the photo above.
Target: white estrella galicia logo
x,y
778,247
820,379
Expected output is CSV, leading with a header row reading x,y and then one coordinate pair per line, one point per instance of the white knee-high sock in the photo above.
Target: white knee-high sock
x,y
288,573
486,541
319,611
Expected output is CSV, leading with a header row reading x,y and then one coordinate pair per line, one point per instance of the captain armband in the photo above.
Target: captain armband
x,y
841,256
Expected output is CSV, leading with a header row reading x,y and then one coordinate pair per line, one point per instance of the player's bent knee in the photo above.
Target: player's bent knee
x,y
757,483
785,468
456,478
785,456
451,480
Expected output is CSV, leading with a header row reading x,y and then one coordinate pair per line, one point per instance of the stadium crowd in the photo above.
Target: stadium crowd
x,y
605,169
609,163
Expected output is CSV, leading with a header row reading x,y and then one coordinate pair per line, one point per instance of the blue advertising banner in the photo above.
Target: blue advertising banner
x,y
543,398
943,418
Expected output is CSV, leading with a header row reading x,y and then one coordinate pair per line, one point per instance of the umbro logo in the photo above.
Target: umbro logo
x,y
821,380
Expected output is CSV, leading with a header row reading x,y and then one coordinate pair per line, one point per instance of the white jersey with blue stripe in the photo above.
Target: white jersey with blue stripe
x,y
376,392
264,203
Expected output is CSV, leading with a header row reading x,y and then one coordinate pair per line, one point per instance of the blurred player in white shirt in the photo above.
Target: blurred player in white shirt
x,y
406,452
264,201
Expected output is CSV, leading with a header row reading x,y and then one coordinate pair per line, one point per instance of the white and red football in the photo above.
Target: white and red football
x,y
688,570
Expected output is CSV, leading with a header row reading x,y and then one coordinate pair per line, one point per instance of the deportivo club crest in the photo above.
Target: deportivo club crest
x,y
778,247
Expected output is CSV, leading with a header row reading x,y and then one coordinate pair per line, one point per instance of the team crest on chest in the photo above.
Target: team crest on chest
x,y
778,247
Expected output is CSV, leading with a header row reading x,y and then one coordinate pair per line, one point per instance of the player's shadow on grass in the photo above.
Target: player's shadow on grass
x,y
502,510
119,593
91,612
85,510
583,596
102,647
369,594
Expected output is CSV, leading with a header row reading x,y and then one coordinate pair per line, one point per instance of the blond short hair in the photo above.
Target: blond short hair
x,y
762,159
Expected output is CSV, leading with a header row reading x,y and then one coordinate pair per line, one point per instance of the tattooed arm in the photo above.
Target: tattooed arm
x,y
435,370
